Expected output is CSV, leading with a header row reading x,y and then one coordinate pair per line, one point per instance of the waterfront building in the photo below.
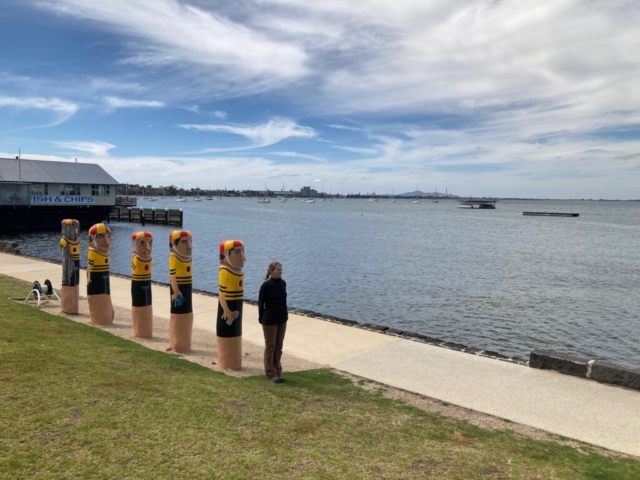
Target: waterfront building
x,y
38,194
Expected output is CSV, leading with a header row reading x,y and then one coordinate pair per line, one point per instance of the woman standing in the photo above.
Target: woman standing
x,y
273,315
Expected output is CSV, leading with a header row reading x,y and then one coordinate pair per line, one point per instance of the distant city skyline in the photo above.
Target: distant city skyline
x,y
532,99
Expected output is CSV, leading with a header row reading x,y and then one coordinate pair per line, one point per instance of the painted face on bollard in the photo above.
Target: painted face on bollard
x,y
143,248
236,257
102,243
184,247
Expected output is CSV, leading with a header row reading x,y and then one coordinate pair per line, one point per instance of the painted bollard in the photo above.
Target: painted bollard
x,y
98,287
180,286
141,300
70,244
229,319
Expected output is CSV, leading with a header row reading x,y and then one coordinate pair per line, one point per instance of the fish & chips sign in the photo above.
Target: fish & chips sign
x,y
62,200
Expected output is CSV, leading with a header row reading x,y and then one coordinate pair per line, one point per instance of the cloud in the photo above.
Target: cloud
x,y
97,149
62,108
168,32
302,156
272,132
345,127
115,102
362,151
220,114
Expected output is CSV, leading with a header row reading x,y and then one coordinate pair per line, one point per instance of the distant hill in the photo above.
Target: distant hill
x,y
419,193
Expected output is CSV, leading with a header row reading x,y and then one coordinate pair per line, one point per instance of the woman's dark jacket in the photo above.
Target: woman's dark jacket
x,y
272,302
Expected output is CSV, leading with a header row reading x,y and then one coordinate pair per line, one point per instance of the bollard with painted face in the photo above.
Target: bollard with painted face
x,y
70,244
98,286
141,299
230,298
180,281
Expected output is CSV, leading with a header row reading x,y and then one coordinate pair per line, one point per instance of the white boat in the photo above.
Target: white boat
x,y
465,205
181,199
311,200
282,198
435,200
208,198
415,201
265,198
197,199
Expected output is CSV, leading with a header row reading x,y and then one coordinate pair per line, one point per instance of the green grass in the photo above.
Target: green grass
x,y
77,402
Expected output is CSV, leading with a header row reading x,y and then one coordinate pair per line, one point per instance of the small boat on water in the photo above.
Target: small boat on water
x,y
181,199
415,201
208,198
551,214
265,198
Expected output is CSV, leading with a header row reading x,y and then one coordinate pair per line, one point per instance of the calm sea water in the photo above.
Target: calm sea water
x,y
491,279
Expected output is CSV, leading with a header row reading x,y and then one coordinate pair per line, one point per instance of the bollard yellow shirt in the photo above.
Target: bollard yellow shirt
x,y
231,284
99,263
74,248
181,270
140,270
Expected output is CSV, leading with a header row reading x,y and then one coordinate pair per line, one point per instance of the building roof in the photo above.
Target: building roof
x,y
41,171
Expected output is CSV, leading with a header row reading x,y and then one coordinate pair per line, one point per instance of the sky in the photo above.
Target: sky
x,y
518,98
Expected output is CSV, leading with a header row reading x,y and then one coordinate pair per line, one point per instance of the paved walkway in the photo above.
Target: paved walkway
x,y
581,409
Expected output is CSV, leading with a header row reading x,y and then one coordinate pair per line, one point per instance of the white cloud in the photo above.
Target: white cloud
x,y
172,32
362,151
220,114
302,156
61,108
115,102
272,132
96,149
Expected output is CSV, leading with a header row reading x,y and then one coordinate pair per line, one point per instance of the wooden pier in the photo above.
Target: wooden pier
x,y
166,216
551,214
478,204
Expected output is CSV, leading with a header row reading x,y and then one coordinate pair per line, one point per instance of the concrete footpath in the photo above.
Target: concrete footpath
x,y
603,415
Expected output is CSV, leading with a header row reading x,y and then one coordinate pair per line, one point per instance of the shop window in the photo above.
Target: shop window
x,y
69,189
100,190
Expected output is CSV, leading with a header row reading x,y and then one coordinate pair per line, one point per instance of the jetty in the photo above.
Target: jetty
x,y
479,204
166,216
551,214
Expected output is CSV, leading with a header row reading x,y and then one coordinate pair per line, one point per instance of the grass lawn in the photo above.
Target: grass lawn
x,y
77,402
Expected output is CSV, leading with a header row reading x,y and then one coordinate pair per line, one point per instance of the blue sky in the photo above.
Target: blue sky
x,y
525,98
